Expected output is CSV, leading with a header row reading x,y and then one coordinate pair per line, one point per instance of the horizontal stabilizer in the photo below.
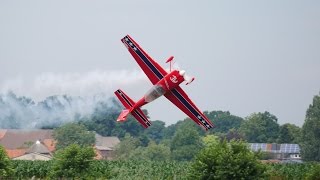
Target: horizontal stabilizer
x,y
128,104
123,115
141,117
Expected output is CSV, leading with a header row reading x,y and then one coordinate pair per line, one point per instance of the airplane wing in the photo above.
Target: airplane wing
x,y
151,68
179,98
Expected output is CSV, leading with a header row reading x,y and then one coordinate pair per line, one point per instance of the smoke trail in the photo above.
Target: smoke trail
x,y
86,92
75,84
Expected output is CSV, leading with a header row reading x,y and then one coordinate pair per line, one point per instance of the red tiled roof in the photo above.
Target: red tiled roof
x,y
12,153
50,144
16,138
2,133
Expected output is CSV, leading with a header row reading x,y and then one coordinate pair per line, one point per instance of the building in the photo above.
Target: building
x,y
278,151
19,142
106,146
40,144
37,151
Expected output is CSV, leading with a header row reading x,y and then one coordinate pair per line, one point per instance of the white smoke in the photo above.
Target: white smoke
x,y
75,84
60,98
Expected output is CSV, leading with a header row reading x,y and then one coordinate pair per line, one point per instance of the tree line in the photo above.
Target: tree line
x,y
182,140
259,127
219,153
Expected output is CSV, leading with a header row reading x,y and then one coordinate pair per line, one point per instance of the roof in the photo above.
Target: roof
x,y
16,138
109,142
275,148
50,144
12,153
34,156
39,148
103,148
2,133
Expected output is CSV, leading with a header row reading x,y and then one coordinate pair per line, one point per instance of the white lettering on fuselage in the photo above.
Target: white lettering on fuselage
x,y
174,79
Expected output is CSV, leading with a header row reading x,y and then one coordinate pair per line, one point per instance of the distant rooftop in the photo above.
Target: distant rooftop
x,y
275,148
17,138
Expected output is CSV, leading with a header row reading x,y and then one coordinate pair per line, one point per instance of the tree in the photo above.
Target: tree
x,y
223,160
155,132
233,134
127,145
289,133
5,164
185,144
73,161
73,133
153,152
260,128
157,152
103,121
224,121
310,142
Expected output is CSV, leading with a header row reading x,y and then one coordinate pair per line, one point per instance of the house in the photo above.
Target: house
x,y
23,139
278,151
106,146
21,143
18,142
37,151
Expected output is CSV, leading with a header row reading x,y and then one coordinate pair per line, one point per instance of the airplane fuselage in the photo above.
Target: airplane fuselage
x,y
167,83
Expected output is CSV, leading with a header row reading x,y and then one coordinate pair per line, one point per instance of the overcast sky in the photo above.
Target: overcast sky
x,y
246,56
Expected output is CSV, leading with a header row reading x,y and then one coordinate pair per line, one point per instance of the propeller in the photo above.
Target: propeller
x,y
187,78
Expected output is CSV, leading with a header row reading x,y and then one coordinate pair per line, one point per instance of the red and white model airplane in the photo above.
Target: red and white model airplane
x,y
164,83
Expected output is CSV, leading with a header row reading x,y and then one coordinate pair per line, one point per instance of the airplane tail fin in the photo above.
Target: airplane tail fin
x,y
128,103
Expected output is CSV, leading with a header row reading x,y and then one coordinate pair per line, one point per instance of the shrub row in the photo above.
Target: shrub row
x,y
109,169
153,170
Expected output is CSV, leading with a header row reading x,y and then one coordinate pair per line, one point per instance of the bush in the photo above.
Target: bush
x,y
223,160
73,161
5,164
27,169
314,173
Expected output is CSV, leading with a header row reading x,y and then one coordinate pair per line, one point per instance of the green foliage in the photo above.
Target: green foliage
x,y
232,134
27,169
103,121
133,169
73,161
5,164
288,171
310,142
155,132
153,152
185,144
314,173
73,133
210,140
187,123
224,121
289,133
144,169
223,160
260,128
149,170
127,145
